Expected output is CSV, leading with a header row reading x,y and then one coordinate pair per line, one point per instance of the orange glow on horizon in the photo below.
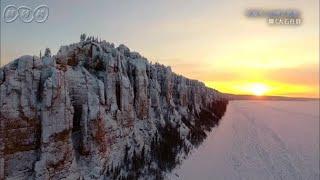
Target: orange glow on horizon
x,y
267,88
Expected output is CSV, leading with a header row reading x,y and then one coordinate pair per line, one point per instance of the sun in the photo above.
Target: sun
x,y
259,89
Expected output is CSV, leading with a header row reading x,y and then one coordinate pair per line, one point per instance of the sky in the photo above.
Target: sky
x,y
209,40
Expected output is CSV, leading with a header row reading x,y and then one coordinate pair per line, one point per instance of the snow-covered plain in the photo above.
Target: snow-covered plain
x,y
259,140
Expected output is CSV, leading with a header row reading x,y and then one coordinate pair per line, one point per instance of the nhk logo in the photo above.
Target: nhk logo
x,y
26,14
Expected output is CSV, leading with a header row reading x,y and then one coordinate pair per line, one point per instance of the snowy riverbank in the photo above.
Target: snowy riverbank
x,y
259,140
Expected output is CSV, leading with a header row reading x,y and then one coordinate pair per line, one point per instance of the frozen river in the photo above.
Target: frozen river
x,y
259,140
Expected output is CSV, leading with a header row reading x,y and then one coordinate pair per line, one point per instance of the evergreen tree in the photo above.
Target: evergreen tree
x,y
83,37
47,52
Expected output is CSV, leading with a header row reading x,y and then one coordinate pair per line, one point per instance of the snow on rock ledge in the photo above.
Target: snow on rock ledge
x,y
94,111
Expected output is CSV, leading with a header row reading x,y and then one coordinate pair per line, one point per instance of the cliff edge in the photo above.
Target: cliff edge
x,y
95,111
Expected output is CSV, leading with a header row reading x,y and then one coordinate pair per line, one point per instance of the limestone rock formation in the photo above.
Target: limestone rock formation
x,y
93,111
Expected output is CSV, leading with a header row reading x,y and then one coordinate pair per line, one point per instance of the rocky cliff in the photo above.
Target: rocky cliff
x,y
93,111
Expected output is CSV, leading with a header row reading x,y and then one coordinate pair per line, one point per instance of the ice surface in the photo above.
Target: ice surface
x,y
259,140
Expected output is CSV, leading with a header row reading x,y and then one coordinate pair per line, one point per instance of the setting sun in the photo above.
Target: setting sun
x,y
258,89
